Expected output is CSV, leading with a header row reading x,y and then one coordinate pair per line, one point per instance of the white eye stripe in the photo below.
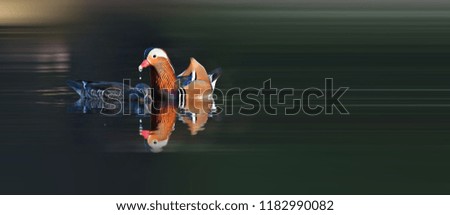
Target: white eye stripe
x,y
156,52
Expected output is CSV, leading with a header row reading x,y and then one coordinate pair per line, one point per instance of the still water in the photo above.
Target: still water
x,y
394,141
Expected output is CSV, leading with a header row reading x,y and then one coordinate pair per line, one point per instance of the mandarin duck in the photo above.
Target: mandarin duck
x,y
193,83
192,90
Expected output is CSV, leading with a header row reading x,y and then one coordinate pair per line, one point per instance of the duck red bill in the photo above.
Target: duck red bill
x,y
145,63
145,133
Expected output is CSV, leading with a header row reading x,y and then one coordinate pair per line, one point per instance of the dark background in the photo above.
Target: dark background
x,y
394,56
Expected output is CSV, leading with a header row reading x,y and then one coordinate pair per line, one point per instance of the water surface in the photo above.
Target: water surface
x,y
395,140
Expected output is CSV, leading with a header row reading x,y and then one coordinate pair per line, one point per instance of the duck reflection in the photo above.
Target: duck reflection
x,y
162,123
194,113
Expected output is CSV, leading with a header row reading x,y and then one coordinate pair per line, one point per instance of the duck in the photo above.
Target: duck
x,y
193,83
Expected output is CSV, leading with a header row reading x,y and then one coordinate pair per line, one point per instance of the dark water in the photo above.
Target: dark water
x,y
394,141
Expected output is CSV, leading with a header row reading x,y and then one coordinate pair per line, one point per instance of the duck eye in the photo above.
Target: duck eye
x,y
155,142
154,56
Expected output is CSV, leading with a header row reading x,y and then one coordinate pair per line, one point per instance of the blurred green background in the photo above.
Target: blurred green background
x,y
393,55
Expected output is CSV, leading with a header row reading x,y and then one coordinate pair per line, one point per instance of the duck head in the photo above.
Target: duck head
x,y
154,140
158,59
153,57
